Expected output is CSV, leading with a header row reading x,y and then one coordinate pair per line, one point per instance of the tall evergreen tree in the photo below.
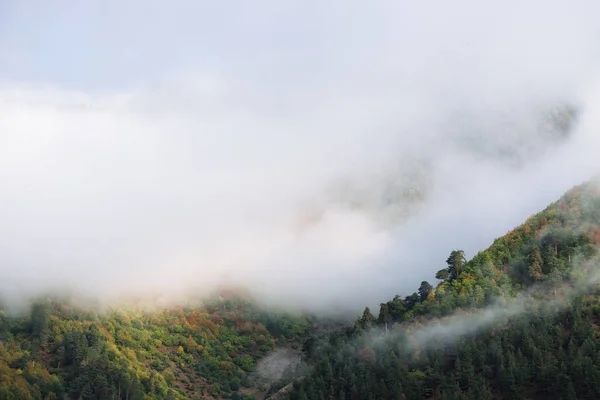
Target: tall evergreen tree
x,y
40,318
456,261
424,289
535,264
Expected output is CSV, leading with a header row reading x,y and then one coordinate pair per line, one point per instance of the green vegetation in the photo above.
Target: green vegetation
x,y
416,347
196,352
549,349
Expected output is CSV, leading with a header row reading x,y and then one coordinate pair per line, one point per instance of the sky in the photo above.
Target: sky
x,y
327,155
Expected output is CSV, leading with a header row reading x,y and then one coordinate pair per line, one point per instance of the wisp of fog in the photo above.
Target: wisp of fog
x,y
326,155
442,332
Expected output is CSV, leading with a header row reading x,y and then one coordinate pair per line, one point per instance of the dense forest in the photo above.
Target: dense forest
x,y
517,321
59,350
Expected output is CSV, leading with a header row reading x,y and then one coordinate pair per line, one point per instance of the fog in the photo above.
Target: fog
x,y
327,156
546,297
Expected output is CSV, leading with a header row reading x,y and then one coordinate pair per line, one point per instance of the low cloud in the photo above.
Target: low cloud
x,y
346,178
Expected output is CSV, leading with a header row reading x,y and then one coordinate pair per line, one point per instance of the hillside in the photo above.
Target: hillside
x,y
517,321
203,351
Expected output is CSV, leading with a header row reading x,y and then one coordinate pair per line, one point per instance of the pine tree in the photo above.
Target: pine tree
x,y
424,290
40,318
535,265
456,261
366,320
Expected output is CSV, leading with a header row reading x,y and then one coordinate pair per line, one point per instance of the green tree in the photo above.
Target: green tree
x,y
4,325
412,300
40,317
396,308
384,314
424,289
535,264
456,261
442,274
555,278
366,320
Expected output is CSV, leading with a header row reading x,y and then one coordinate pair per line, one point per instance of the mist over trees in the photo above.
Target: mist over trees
x,y
517,320
295,200
538,342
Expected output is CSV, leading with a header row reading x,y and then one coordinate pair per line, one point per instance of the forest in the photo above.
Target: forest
x,y
519,320
59,350
532,299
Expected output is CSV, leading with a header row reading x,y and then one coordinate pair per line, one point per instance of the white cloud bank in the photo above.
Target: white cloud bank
x,y
291,164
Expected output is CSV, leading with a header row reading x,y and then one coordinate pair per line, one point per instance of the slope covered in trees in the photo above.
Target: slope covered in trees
x,y
211,351
517,321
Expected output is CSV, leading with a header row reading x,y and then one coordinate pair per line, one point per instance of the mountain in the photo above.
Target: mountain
x,y
517,321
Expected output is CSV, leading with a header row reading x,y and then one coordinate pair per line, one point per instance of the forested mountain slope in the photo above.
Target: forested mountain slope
x,y
517,321
61,351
